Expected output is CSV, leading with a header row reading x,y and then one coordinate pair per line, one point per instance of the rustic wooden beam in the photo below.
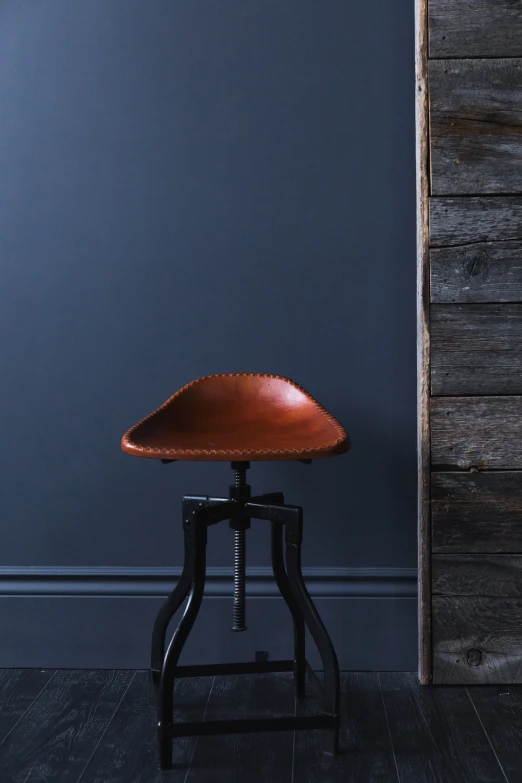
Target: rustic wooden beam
x,y
474,334
423,340
477,512
476,249
486,575
476,126
475,28
480,272
464,220
476,433
477,617
476,349
477,640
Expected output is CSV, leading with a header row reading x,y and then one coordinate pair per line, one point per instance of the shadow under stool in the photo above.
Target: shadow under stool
x,y
240,418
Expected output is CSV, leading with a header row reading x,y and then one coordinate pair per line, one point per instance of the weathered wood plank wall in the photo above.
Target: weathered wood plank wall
x,y
475,126
476,433
476,349
477,640
461,221
472,324
476,512
481,272
477,618
475,28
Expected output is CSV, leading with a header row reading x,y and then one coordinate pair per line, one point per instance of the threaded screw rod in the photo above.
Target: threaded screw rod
x,y
239,563
239,580
240,469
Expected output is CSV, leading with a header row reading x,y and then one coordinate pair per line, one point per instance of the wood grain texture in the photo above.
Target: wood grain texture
x,y
417,757
129,751
481,272
475,219
476,432
58,734
500,711
477,640
19,688
262,694
366,752
257,757
476,126
416,754
235,758
437,735
391,729
477,575
476,512
476,349
423,336
475,28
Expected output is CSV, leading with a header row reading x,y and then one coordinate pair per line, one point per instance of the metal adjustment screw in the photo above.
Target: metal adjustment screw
x,y
239,580
239,564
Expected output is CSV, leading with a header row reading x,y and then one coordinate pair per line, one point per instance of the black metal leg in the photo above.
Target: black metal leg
x,y
320,637
198,539
214,507
170,607
281,577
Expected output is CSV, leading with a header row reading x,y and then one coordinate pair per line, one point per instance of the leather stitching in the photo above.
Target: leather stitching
x,y
342,435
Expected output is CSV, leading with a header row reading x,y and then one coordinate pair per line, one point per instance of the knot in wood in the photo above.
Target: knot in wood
x,y
474,657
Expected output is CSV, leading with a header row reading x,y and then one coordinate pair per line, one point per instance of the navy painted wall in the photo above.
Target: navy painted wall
x,y
196,187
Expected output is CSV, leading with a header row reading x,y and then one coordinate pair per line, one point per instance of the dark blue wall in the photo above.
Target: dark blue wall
x,y
196,187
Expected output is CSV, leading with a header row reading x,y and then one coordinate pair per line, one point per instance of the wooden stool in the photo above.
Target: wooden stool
x,y
240,418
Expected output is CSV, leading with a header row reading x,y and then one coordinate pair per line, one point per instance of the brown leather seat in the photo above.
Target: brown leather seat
x,y
238,417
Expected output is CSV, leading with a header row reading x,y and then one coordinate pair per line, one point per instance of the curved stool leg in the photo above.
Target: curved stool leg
x,y
320,637
282,581
170,607
198,539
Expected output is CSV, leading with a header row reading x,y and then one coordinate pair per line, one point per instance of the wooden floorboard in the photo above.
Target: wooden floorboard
x,y
56,737
260,694
129,751
18,690
456,731
436,735
99,727
417,757
500,711
366,752
243,758
246,758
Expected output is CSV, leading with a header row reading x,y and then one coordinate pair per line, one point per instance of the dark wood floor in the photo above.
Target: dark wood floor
x,y
98,727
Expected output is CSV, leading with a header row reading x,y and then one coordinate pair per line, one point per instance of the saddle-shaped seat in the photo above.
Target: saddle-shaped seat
x,y
238,417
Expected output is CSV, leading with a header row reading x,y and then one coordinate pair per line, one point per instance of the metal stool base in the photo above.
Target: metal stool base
x,y
200,512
